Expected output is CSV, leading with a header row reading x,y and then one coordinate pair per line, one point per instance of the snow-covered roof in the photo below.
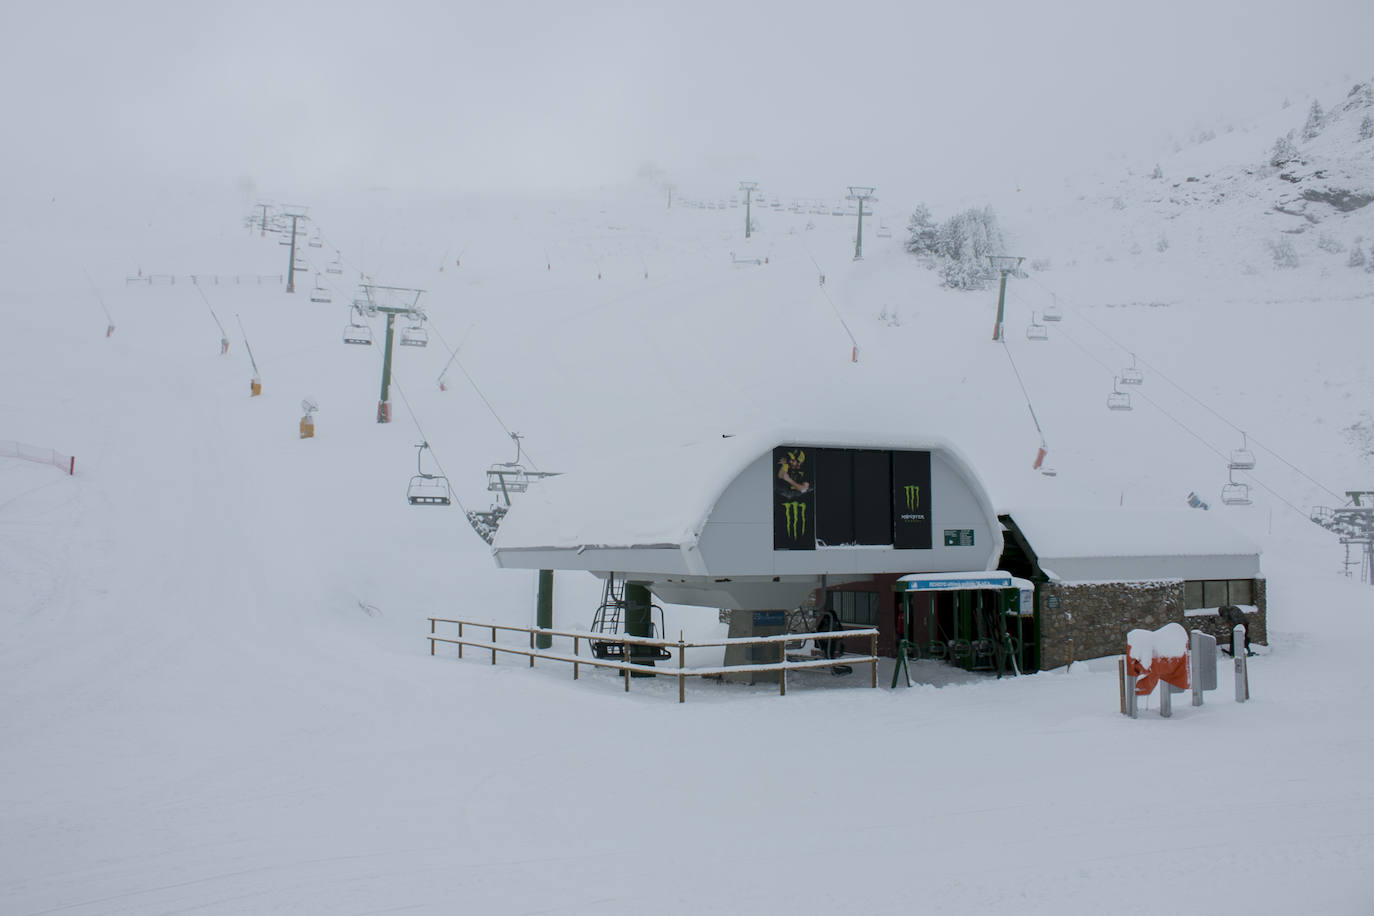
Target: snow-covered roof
x,y
663,497
1079,544
1057,531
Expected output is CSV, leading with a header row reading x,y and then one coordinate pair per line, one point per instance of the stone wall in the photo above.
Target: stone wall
x,y
1091,620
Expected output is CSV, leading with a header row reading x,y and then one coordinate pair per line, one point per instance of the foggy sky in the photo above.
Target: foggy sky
x,y
806,97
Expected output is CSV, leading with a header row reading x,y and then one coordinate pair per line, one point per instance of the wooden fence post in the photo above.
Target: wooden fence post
x,y
873,665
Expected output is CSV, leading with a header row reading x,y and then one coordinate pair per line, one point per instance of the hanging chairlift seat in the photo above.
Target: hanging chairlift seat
x,y
414,336
333,268
1131,375
320,295
1235,494
1118,400
359,334
1036,331
1052,313
315,242
507,478
1242,459
427,489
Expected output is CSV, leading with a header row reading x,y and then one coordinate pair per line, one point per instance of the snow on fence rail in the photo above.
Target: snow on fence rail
x,y
682,672
11,449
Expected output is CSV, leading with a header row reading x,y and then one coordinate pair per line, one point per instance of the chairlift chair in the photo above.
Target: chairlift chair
x,y
1118,400
1037,331
357,332
1131,375
315,242
509,477
1242,459
319,293
610,619
1235,494
1052,313
427,489
414,335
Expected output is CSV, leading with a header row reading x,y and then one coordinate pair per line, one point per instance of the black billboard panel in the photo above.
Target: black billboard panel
x,y
911,519
794,498
872,497
834,496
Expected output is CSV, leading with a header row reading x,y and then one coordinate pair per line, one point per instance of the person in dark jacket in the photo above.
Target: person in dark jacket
x,y
1233,617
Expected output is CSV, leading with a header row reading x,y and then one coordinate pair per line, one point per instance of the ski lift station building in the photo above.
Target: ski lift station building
x,y
882,531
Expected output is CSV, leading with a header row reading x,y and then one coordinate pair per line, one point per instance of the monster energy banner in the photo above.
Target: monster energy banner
x,y
794,499
911,527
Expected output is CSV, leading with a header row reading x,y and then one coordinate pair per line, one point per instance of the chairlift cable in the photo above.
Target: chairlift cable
x,y
1183,426
1155,369
453,358
395,383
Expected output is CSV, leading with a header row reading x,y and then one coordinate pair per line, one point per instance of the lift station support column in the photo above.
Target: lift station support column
x,y
638,622
543,611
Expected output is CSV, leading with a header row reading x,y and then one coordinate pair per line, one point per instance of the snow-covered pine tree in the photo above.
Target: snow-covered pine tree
x,y
1283,152
1315,116
923,231
1367,127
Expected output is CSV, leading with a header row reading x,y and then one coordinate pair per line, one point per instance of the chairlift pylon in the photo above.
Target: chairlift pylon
x,y
427,489
1118,400
1242,459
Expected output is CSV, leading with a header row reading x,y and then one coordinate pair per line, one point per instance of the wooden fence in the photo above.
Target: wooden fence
x,y
681,672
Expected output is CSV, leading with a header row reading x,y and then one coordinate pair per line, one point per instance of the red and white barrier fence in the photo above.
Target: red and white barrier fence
x,y
11,449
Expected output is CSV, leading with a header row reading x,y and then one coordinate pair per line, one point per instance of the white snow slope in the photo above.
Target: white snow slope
x,y
215,692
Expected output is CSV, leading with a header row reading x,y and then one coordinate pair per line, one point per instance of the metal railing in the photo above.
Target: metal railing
x,y
681,672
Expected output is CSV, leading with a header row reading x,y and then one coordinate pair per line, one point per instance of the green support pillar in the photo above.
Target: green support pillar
x,y
1001,303
384,405
543,613
638,622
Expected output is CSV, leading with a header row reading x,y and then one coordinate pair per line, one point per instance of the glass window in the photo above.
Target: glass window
x,y
1214,593
1192,595
1242,591
855,608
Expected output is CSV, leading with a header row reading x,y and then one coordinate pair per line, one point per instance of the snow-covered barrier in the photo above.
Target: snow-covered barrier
x,y
11,449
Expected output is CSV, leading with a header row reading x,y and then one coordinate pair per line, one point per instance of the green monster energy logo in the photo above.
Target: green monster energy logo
x,y
796,519
913,497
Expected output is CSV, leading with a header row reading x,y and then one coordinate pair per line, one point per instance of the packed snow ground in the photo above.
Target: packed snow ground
x,y
215,692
